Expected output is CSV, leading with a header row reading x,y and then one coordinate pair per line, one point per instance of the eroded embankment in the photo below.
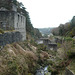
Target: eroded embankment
x,y
20,59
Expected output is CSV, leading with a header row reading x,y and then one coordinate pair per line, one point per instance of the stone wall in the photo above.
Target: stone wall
x,y
7,20
20,24
47,43
11,20
10,37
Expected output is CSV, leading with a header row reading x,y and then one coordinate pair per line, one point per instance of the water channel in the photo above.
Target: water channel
x,y
43,71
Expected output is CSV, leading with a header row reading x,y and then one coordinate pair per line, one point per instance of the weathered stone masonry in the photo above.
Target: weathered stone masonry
x,y
10,37
49,44
12,20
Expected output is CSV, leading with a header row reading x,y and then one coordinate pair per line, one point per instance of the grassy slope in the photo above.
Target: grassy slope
x,y
21,59
15,60
25,58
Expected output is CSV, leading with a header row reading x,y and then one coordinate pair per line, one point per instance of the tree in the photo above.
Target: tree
x,y
7,3
73,22
14,2
72,33
61,29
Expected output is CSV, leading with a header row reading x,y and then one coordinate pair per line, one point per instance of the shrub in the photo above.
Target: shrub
x,y
33,42
49,68
41,47
58,45
71,55
68,48
73,41
68,39
52,70
50,62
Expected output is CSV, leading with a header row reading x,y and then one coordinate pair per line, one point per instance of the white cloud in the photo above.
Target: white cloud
x,y
49,13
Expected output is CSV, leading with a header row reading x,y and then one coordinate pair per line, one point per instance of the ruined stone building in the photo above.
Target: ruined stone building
x,y
48,43
12,20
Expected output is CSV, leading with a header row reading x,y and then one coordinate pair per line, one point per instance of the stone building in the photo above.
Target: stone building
x,y
51,45
12,20
44,41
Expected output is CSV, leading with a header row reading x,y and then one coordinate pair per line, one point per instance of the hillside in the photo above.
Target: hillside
x,y
46,31
21,58
17,61
25,58
67,29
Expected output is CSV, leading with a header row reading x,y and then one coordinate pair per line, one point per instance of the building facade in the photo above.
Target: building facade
x,y
12,20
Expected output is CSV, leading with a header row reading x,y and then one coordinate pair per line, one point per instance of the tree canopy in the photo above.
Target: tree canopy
x,y
67,29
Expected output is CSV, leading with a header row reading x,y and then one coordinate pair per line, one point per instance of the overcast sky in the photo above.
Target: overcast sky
x,y
49,13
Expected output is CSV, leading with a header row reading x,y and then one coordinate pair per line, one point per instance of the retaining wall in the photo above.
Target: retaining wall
x,y
10,37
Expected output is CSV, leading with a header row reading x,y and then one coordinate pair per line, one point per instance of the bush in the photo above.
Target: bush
x,y
68,39
68,48
49,69
73,41
41,47
50,62
58,45
33,42
52,70
71,55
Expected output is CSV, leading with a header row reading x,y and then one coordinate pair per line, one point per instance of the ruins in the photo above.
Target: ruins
x,y
12,20
49,44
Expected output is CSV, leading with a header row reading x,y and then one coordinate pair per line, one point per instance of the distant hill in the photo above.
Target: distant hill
x,y
45,30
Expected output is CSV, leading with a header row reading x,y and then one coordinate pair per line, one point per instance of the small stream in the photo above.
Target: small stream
x,y
43,71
